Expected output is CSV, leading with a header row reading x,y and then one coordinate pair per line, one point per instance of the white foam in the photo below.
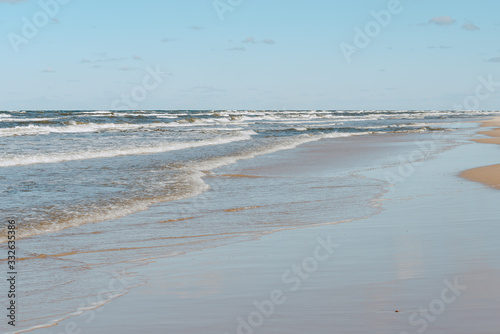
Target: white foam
x,y
97,112
83,155
19,120
105,296
280,145
75,127
194,175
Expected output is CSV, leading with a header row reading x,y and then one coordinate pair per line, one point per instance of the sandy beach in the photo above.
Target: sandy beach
x,y
250,167
425,261
489,175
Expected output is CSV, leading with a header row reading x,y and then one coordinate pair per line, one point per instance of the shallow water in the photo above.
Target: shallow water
x,y
186,194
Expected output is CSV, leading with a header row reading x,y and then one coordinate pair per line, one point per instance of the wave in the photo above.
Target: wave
x,y
97,112
84,155
75,127
24,120
278,145
193,184
199,118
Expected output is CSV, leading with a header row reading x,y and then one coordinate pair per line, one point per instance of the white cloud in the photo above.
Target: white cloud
x,y
112,59
249,40
48,70
442,20
252,40
470,27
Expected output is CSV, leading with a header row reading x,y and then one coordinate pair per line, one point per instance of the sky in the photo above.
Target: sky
x,y
249,54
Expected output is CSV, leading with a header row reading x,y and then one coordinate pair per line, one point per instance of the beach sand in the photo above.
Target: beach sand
x,y
428,262
489,175
491,123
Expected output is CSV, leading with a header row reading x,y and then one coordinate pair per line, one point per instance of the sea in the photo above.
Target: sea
x,y
96,193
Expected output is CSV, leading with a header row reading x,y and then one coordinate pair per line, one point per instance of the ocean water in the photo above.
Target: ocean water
x,y
66,168
95,193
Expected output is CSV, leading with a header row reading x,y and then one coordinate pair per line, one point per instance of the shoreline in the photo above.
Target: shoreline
x,y
166,226
435,231
488,175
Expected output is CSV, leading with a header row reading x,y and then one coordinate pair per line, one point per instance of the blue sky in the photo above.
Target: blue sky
x,y
247,54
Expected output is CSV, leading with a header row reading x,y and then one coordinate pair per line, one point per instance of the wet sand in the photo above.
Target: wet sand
x,y
428,262
488,175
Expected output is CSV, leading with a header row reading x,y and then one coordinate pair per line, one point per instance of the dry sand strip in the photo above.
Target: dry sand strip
x,y
489,175
492,122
